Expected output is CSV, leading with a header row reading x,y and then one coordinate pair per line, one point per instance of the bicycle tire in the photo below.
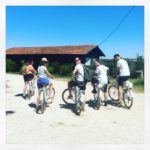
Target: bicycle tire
x,y
65,97
113,92
28,94
98,104
49,101
41,108
127,99
78,108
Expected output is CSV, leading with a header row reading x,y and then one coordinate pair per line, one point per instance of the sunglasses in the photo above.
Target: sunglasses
x,y
77,60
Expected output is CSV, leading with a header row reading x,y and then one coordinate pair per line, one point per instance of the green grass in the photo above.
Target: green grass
x,y
138,85
14,73
59,77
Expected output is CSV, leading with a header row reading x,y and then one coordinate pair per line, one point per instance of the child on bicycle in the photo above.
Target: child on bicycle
x,y
43,78
28,74
101,78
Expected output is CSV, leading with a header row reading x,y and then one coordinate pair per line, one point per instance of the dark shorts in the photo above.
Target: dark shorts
x,y
28,77
80,84
104,88
121,79
42,82
95,80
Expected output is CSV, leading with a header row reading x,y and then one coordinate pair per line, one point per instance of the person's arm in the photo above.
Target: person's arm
x,y
118,69
32,69
74,72
49,74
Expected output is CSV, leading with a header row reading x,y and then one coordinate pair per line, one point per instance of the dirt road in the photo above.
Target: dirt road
x,y
59,124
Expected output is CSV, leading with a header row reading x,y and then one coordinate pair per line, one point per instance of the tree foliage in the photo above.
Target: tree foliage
x,y
10,66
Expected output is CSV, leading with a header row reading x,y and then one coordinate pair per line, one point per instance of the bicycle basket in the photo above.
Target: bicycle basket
x,y
128,85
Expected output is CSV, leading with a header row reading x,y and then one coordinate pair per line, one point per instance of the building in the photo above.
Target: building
x,y
61,54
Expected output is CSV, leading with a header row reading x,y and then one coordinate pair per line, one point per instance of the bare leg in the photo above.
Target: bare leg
x,y
25,88
50,90
120,93
105,96
69,88
93,85
34,79
84,103
94,89
38,100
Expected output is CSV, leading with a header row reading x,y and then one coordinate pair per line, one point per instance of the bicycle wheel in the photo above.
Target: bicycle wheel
x,y
65,95
78,108
98,104
41,108
113,92
127,99
51,96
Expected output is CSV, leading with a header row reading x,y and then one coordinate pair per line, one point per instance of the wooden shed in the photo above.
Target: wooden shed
x,y
61,54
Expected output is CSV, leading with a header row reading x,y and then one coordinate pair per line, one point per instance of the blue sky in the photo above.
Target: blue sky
x,y
28,26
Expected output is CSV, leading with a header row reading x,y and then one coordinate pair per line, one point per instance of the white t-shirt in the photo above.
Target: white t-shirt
x,y
101,72
123,67
80,76
41,71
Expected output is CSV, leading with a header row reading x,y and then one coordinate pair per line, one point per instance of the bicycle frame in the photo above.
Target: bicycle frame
x,y
43,94
78,99
127,93
30,89
77,94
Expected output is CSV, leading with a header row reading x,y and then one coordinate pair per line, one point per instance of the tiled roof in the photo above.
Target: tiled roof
x,y
81,50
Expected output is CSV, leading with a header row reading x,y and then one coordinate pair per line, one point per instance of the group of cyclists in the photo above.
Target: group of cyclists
x,y
44,77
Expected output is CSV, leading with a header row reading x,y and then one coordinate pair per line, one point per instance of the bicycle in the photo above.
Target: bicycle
x,y
77,99
30,88
127,93
97,95
45,98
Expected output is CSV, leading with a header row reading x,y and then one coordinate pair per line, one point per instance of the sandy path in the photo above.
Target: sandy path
x,y
59,125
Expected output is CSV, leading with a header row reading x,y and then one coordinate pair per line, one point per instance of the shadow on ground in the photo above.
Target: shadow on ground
x,y
65,106
10,112
92,103
20,94
32,105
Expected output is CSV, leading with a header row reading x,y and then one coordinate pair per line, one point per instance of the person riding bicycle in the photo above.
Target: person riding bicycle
x,y
28,74
123,74
101,78
43,78
78,74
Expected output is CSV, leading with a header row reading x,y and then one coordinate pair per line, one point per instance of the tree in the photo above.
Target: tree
x,y
10,66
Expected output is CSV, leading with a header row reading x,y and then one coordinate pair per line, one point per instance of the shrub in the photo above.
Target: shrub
x,y
50,69
10,66
66,69
55,67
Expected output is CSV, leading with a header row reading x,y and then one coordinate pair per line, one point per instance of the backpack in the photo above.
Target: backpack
x,y
23,69
88,74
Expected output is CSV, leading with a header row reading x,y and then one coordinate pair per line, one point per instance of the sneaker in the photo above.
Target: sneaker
x,y
105,103
94,91
24,96
119,104
70,97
